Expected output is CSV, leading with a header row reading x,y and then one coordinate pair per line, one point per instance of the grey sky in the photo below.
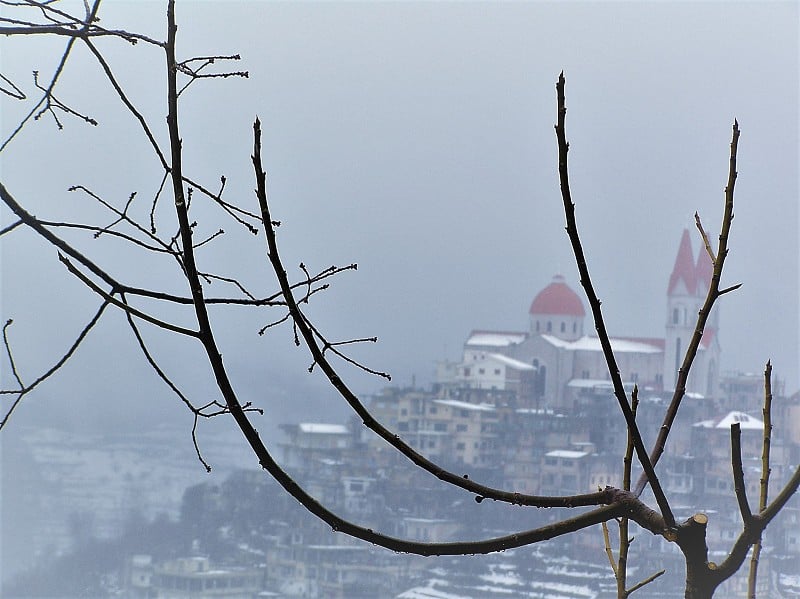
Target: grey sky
x,y
417,140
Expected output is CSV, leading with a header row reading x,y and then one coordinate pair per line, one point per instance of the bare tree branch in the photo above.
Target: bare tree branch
x,y
738,473
594,303
24,390
702,317
765,472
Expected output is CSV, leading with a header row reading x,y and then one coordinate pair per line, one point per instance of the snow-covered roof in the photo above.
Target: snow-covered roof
x,y
495,338
323,428
463,405
745,421
511,362
427,592
597,384
565,453
590,383
586,343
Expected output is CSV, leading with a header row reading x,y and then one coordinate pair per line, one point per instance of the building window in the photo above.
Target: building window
x,y
537,326
481,371
675,316
440,427
549,326
466,372
497,371
459,447
461,428
574,327
433,409
563,327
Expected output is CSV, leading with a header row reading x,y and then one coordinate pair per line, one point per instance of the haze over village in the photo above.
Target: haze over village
x,y
529,410
416,140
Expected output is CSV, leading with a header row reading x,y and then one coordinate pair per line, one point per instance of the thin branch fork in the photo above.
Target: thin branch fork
x,y
112,300
25,389
91,16
594,302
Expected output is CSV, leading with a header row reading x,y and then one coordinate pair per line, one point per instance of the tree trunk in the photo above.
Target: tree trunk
x,y
692,541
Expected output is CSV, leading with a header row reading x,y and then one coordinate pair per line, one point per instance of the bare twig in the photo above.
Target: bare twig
x,y
706,243
594,303
609,553
738,473
24,390
59,69
112,300
15,92
765,472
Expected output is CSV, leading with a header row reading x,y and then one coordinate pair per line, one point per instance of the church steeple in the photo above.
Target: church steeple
x,y
704,269
684,271
688,285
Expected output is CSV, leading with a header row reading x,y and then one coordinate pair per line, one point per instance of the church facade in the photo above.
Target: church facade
x,y
555,361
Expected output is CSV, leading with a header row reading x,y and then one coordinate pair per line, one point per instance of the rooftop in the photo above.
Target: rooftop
x,y
323,428
619,345
557,298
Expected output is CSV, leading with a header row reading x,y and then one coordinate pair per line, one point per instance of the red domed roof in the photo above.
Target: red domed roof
x,y
557,298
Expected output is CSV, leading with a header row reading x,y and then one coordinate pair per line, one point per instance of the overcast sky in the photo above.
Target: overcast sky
x,y
417,140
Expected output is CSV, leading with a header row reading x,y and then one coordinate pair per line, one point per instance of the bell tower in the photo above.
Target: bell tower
x,y
686,292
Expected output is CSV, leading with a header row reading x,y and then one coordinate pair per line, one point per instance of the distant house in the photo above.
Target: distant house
x,y
190,577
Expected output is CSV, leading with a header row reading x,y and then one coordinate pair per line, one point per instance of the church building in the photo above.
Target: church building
x,y
555,360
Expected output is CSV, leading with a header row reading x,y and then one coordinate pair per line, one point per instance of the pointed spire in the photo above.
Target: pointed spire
x,y
704,269
684,269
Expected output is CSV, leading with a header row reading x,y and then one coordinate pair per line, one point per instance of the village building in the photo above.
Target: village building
x,y
555,361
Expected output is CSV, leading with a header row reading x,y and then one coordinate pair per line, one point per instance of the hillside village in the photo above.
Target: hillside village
x,y
530,411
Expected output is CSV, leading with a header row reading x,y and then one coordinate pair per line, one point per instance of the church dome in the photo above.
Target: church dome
x,y
557,298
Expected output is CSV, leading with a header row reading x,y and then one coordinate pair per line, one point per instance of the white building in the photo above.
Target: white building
x,y
551,363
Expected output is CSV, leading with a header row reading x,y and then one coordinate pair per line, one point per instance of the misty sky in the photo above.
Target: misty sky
x,y
417,140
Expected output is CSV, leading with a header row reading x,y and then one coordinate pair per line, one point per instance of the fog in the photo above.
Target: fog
x,y
417,140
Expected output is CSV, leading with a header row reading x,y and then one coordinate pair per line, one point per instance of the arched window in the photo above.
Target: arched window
x,y
563,326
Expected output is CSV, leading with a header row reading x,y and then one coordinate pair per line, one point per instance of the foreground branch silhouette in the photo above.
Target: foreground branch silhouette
x,y
142,231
